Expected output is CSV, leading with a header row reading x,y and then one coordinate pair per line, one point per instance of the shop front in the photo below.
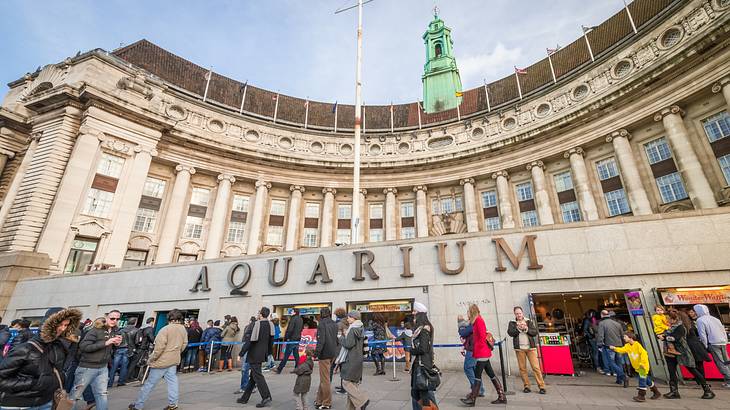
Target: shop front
x,y
716,298
161,317
395,313
310,314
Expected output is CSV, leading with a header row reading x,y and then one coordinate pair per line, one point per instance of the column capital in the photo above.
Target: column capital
x,y
574,151
622,133
262,183
329,190
187,168
417,188
150,150
533,164
393,191
299,188
500,174
363,191
718,86
672,109
228,177
35,136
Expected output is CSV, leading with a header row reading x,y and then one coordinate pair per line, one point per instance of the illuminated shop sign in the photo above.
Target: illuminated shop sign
x,y
695,296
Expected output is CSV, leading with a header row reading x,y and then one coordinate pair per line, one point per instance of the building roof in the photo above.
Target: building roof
x,y
292,110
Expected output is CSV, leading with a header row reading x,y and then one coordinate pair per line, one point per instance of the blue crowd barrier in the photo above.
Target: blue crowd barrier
x,y
314,342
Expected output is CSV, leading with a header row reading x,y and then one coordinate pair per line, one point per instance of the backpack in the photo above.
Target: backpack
x,y
139,337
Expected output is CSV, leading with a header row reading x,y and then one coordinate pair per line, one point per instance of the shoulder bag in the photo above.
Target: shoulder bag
x,y
61,401
490,340
426,379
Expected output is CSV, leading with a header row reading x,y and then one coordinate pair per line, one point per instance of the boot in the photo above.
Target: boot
x,y
641,396
673,391
708,393
471,399
655,392
220,365
230,365
377,367
501,399
382,366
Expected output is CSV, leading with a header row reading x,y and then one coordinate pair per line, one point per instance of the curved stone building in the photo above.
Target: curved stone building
x,y
128,180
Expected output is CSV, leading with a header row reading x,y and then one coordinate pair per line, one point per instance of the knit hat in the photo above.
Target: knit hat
x,y
354,314
420,307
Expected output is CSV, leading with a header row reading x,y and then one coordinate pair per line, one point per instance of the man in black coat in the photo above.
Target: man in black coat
x,y
293,334
258,343
326,351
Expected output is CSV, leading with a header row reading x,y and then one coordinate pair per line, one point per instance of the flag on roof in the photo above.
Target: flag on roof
x,y
553,50
520,70
275,97
588,28
243,87
334,108
459,93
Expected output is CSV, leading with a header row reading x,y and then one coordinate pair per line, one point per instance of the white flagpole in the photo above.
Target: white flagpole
x,y
363,117
517,78
486,92
588,43
419,114
552,70
631,18
355,212
243,99
306,113
391,117
458,113
207,83
276,106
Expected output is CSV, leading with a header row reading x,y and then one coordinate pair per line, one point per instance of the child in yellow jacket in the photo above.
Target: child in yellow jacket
x,y
640,362
661,326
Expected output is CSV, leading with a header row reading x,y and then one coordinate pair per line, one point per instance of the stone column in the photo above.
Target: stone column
x,y
421,211
390,214
257,216
295,210
18,178
216,233
470,207
361,230
505,203
724,86
129,202
630,172
173,217
588,208
328,216
4,157
698,188
542,199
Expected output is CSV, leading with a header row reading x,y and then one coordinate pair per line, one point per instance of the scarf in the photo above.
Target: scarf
x,y
418,330
342,356
257,329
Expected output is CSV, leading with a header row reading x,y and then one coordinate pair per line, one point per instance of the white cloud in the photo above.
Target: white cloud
x,y
492,66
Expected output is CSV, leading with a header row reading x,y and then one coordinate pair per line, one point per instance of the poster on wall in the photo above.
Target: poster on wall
x,y
633,301
693,297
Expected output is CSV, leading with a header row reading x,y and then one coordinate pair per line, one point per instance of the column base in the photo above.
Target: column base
x,y
18,265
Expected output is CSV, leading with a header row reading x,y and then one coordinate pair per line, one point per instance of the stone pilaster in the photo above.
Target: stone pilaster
x,y
391,214
217,231
129,198
328,215
470,207
588,208
9,199
505,203
257,216
295,210
5,156
421,211
542,199
174,216
698,188
638,200
723,85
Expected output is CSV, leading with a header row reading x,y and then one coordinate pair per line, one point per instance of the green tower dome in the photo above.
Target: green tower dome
x,y
441,81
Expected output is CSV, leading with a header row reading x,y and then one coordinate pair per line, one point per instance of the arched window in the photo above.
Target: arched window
x,y
438,50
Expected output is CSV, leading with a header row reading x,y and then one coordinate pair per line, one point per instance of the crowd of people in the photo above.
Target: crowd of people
x,y
80,361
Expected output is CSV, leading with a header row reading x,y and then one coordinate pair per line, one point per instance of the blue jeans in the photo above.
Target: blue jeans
x,y
121,362
191,355
97,379
290,348
245,372
170,375
595,355
47,406
644,382
415,397
613,362
470,363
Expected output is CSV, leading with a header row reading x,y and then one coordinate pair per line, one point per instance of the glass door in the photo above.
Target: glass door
x,y
640,312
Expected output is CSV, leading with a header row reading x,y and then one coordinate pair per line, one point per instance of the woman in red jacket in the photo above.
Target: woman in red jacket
x,y
482,352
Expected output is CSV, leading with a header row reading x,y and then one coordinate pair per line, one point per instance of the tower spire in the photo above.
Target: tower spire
x,y
441,80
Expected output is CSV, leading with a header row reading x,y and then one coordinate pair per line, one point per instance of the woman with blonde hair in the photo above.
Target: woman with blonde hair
x,y
482,352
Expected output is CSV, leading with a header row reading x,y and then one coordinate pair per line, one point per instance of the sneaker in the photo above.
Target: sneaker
x,y
239,391
339,390
201,370
726,385
323,406
266,369
131,407
542,391
526,390
171,407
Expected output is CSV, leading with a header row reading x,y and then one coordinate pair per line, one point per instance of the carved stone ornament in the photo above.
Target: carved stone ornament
x,y
538,164
393,191
136,85
329,191
500,174
230,178
262,183
187,168
299,188
576,150
417,188
674,109
465,181
622,133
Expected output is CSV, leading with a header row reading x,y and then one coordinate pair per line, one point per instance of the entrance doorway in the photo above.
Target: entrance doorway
x,y
396,314
310,314
161,317
124,319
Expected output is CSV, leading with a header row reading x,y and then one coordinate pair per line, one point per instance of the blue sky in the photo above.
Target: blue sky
x,y
299,47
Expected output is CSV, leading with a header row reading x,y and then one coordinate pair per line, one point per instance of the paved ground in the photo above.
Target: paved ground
x,y
594,392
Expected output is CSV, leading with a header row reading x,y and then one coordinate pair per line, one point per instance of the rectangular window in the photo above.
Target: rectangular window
x,y
458,203
343,236
344,211
311,210
275,235
376,211
134,258
278,207
489,199
529,218
725,166
435,208
193,227
570,211
98,203
82,254
110,165
236,230
671,187
408,233
153,187
717,126
607,168
657,150
616,202
200,196
524,191
563,181
145,220
492,223
376,235
406,210
310,237
240,203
